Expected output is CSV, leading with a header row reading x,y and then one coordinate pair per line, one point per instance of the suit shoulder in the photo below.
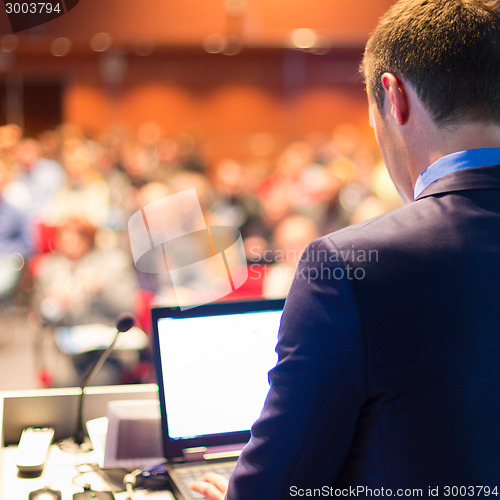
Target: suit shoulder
x,y
402,226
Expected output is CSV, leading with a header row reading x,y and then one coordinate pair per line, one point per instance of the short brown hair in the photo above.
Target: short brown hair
x,y
448,50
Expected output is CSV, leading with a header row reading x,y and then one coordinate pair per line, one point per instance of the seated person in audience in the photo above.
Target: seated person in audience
x,y
231,198
291,237
370,207
15,239
81,285
35,181
10,135
85,192
144,197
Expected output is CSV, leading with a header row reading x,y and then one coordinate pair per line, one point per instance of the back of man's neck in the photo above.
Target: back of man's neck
x,y
445,141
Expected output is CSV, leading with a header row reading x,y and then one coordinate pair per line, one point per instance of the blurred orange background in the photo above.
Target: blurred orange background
x,y
119,61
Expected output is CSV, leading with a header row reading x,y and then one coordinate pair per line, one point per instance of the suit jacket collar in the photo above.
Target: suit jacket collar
x,y
464,180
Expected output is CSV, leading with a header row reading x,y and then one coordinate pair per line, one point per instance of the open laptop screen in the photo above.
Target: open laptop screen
x,y
212,364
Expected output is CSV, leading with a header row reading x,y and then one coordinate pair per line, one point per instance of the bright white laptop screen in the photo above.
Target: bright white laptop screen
x,y
215,370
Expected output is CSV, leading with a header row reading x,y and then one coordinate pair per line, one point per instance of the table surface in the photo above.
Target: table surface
x,y
66,472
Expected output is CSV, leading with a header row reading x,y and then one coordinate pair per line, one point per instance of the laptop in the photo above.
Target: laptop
x,y
212,363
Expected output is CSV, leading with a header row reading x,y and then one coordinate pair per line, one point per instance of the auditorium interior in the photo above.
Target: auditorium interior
x,y
259,105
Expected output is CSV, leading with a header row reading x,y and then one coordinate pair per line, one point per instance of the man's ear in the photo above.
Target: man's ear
x,y
395,95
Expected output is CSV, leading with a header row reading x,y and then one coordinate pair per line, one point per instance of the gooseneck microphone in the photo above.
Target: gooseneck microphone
x,y
124,323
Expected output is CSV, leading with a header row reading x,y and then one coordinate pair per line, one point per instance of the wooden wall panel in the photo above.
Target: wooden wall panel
x,y
187,22
224,119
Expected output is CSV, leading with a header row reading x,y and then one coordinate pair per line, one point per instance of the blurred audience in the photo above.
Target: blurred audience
x,y
79,283
84,289
290,239
15,239
84,193
73,196
35,179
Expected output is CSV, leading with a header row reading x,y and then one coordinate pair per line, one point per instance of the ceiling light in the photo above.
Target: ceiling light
x,y
101,42
60,46
304,38
214,43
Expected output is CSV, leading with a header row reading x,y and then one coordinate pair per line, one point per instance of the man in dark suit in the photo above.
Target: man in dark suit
x,y
388,376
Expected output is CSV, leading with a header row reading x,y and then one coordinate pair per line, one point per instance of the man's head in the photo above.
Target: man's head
x,y
432,71
448,50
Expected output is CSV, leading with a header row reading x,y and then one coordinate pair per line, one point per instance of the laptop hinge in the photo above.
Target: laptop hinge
x,y
202,453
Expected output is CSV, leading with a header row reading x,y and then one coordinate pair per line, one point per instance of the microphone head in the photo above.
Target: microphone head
x,y
124,322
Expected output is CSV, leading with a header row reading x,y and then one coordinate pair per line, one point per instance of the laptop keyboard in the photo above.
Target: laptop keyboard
x,y
196,473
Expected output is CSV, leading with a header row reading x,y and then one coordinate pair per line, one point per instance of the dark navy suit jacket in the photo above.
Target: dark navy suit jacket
x,y
388,372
